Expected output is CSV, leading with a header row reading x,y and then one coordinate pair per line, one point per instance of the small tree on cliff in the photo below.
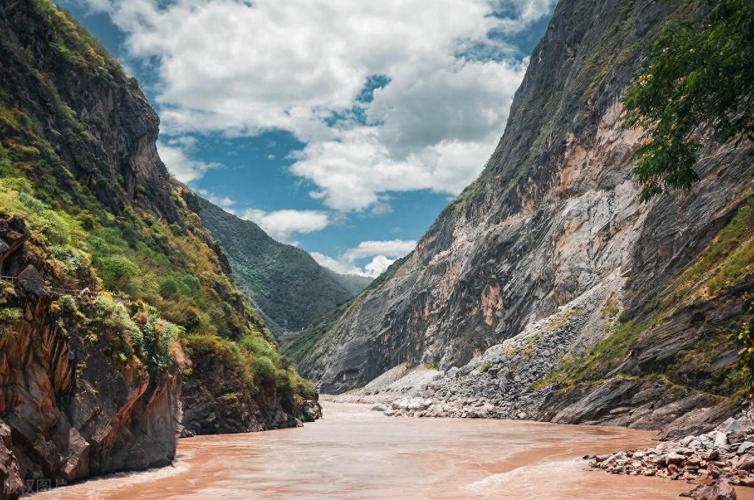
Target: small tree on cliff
x,y
699,73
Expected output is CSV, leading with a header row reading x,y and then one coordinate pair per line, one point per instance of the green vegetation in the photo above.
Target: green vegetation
x,y
285,282
154,280
467,196
600,359
700,73
610,308
728,259
726,262
73,44
10,315
745,339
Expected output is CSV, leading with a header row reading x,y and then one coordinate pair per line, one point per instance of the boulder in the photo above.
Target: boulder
x,y
718,490
744,447
721,439
31,282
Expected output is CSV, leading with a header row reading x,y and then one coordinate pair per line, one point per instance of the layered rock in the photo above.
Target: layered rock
x,y
547,288
108,281
74,401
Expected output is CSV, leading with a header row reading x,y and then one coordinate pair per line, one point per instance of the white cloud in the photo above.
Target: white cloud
x,y
352,172
337,265
378,265
390,248
282,224
241,67
382,253
178,162
227,203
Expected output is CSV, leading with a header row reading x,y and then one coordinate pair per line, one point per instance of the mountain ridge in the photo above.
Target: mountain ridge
x,y
509,283
120,327
286,283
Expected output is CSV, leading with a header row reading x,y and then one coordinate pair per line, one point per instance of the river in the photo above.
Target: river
x,y
357,453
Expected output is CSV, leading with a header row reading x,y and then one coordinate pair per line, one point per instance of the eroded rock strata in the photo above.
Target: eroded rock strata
x,y
117,310
548,290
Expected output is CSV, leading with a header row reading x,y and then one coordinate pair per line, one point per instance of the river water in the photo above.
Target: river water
x,y
358,453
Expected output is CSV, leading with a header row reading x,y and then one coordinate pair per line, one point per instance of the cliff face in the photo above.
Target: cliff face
x,y
77,396
112,295
285,282
547,288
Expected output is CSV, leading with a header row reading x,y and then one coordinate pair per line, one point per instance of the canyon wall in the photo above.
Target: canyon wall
x,y
547,289
120,325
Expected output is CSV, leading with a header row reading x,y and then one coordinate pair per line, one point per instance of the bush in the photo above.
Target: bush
x,y
117,272
10,315
157,342
264,371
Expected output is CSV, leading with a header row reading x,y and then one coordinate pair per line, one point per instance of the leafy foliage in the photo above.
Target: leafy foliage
x,y
285,282
746,341
154,279
700,73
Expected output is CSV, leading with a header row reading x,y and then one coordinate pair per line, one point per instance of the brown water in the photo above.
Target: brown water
x,y
357,453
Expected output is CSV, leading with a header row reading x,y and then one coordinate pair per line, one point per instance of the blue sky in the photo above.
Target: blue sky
x,y
341,126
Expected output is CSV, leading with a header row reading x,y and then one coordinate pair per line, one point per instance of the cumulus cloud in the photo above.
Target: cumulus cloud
x,y
390,248
337,265
381,255
240,67
179,163
226,202
282,224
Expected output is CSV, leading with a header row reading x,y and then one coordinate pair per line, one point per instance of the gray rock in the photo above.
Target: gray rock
x,y
721,439
744,447
31,281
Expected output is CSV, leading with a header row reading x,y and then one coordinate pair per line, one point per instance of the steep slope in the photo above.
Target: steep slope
x,y
285,282
112,297
547,288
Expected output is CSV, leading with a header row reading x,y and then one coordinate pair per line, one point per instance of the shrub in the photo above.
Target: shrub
x,y
264,371
117,272
157,341
10,315
699,73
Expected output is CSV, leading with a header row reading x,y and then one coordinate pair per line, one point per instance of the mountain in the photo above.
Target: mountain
x,y
547,289
285,282
117,311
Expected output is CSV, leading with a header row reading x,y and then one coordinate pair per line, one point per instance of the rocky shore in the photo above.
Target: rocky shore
x,y
715,461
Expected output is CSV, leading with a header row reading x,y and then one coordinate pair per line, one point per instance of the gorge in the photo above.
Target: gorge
x,y
547,289
145,328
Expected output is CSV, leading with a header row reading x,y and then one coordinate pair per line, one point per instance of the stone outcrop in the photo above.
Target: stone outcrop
x,y
547,289
117,157
216,401
69,406
108,277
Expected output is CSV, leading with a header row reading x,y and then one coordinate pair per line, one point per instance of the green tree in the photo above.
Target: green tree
x,y
698,80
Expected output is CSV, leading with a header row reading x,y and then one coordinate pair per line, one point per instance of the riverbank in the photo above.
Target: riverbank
x,y
356,452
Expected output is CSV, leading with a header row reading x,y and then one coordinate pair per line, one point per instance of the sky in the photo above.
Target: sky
x,y
341,126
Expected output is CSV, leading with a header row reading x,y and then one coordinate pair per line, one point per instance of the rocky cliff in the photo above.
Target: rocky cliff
x,y
113,297
547,289
285,282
